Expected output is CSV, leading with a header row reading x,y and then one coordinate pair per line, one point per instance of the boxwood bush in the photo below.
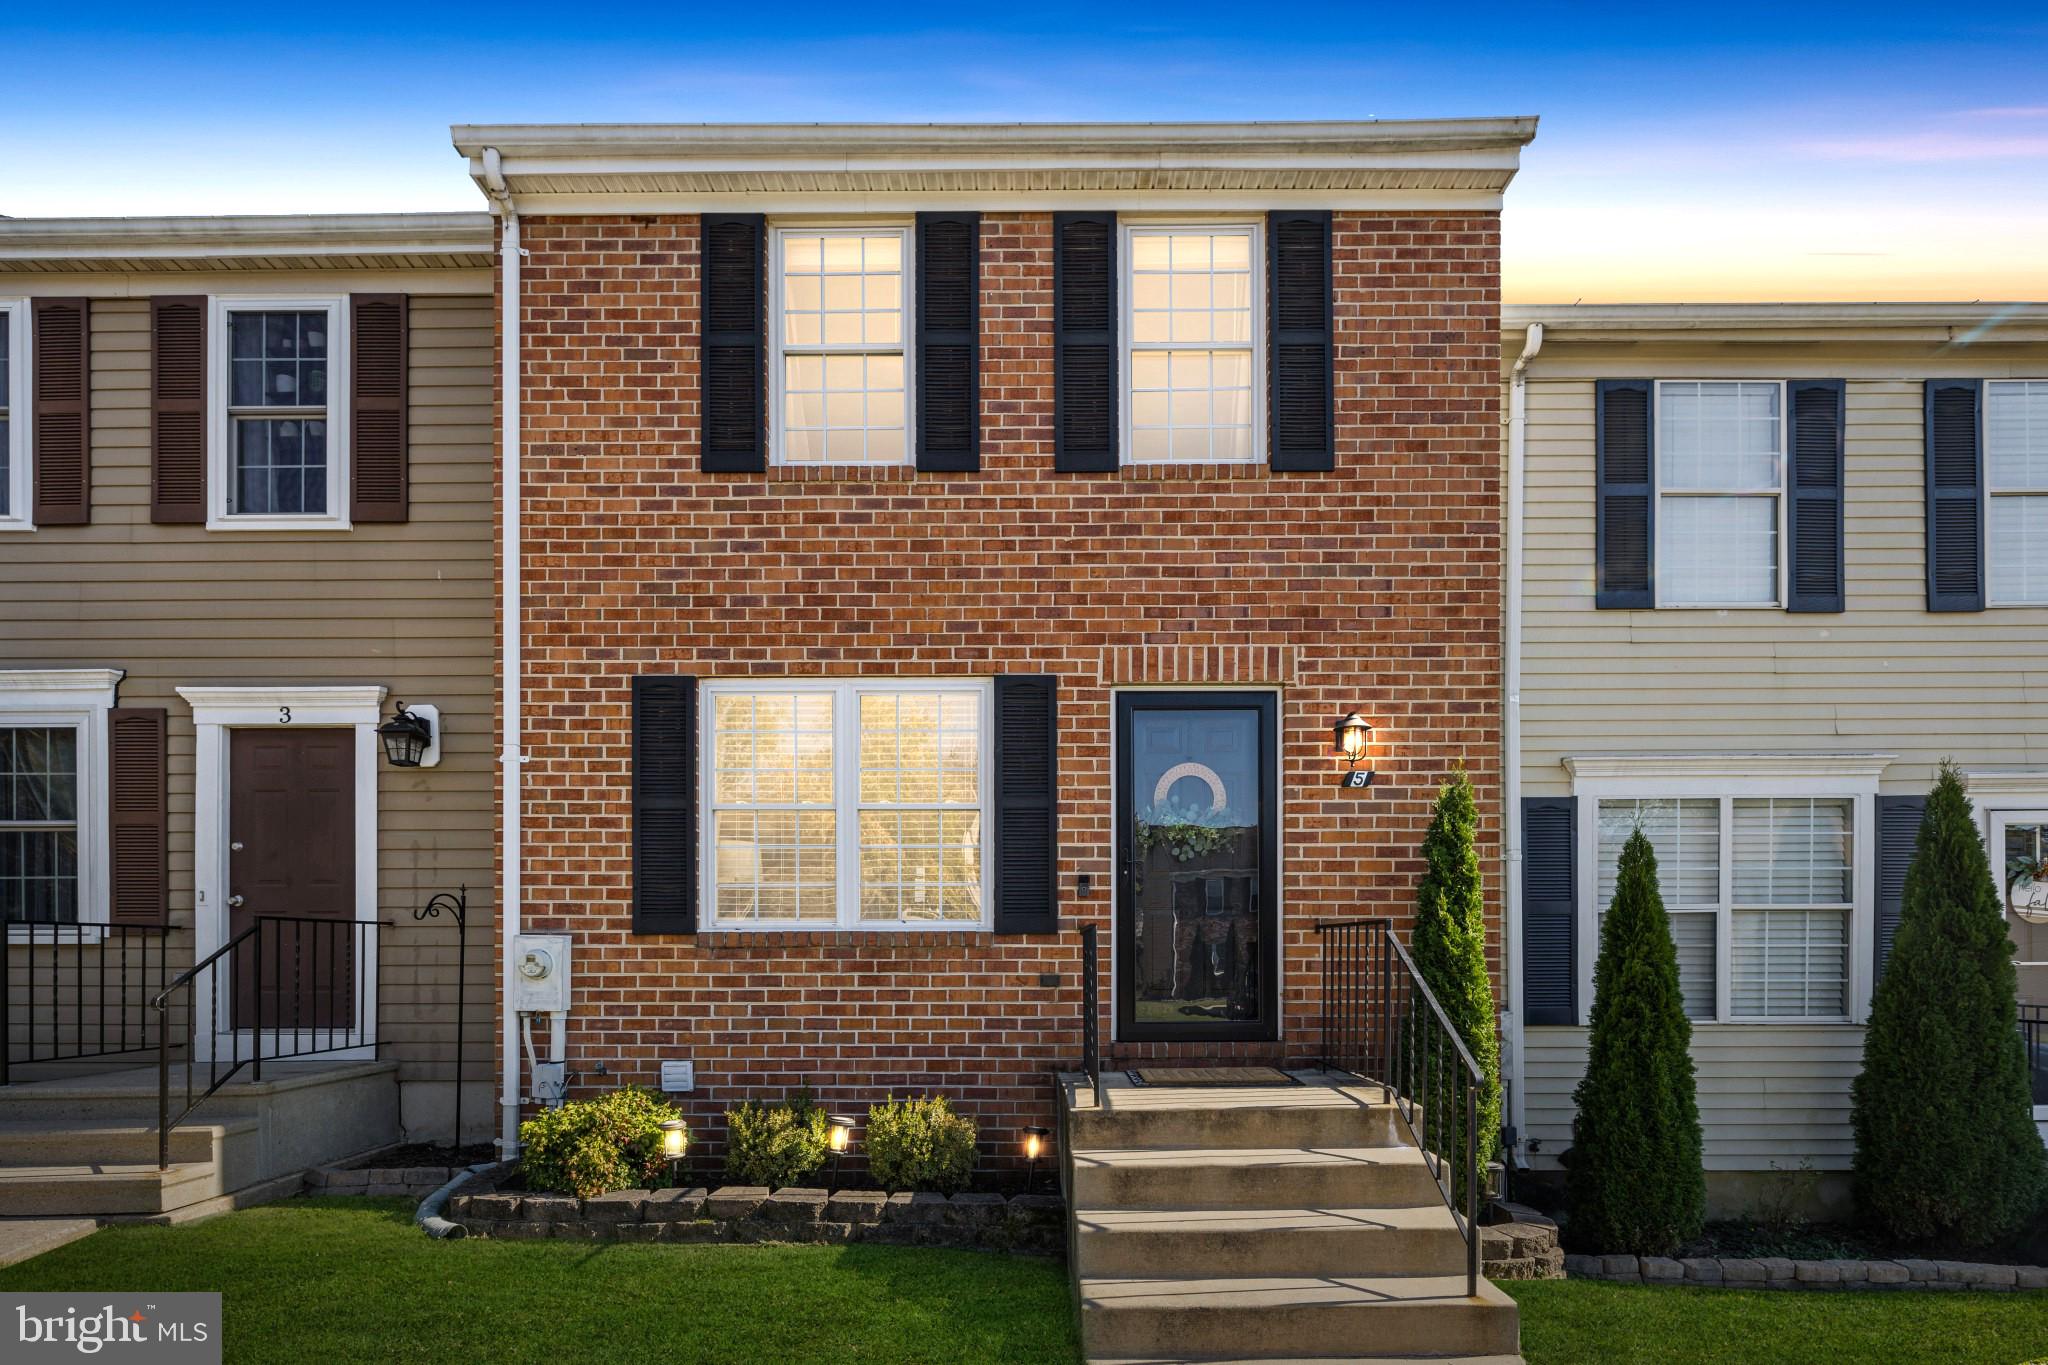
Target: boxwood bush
x,y
920,1144
775,1144
590,1147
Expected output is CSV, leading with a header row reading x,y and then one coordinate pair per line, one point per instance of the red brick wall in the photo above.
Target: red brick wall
x,y
1375,587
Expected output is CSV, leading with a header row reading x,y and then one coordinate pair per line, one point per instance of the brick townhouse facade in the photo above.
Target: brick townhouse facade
x,y
879,636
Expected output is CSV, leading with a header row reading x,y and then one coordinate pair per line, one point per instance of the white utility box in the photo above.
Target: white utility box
x,y
540,974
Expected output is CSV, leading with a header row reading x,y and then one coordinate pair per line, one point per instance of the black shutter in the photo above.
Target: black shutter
x,y
1898,830
1084,358
61,423
948,341
1301,350
733,367
1624,447
1819,423
1955,484
664,805
1027,797
177,410
1550,975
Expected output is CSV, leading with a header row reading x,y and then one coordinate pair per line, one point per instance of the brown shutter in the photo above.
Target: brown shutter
x,y
379,336
140,835
62,425
177,410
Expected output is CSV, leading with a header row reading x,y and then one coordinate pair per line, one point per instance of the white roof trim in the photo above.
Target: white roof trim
x,y
1734,317
295,236
654,163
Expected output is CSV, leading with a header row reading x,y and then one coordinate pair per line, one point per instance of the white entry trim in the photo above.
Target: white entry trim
x,y
215,711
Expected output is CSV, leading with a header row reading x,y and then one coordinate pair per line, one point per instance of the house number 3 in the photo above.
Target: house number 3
x,y
284,715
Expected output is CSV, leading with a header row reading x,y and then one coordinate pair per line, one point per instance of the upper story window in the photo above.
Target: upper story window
x,y
278,444
1760,892
2016,483
1720,475
14,417
841,365
1193,342
856,804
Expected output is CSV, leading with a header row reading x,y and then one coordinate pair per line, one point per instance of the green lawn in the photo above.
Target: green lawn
x,y
1565,1322
352,1280
313,1281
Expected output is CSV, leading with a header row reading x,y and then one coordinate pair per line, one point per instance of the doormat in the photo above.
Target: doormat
x,y
1212,1075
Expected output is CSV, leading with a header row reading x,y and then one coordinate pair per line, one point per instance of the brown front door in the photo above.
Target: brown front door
x,y
292,860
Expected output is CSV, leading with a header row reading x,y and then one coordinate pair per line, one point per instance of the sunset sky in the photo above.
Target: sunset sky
x,y
1846,151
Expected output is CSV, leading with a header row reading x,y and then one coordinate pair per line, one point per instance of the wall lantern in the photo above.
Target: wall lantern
x,y
1034,1148
1353,740
412,737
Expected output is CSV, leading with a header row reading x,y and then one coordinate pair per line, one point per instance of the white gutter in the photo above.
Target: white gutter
x,y
1511,740
510,756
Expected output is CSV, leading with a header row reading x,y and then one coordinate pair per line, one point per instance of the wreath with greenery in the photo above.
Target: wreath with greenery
x,y
1187,832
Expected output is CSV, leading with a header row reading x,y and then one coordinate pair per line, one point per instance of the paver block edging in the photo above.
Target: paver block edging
x,y
1777,1272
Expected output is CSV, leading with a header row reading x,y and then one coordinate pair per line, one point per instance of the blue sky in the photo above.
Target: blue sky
x,y
1749,151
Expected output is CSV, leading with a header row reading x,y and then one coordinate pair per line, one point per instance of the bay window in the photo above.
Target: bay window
x,y
855,804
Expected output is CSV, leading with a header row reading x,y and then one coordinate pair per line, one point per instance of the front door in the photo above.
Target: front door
x,y
292,858
1197,826
2019,846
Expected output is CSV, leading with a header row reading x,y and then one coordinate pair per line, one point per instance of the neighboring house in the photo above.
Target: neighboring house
x,y
245,511
1780,561
935,540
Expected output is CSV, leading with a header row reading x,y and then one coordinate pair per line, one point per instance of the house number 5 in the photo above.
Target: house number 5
x,y
284,715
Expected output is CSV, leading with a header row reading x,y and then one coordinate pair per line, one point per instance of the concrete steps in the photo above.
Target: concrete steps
x,y
1292,1223
109,1189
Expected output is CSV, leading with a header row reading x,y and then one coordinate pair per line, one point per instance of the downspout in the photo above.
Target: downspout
x,y
1511,739
510,756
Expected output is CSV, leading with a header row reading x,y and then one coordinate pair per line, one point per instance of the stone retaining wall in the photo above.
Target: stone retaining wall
x,y
415,1182
1029,1224
1521,1246
1776,1272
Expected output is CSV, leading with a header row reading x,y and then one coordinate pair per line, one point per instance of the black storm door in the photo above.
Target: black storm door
x,y
1197,847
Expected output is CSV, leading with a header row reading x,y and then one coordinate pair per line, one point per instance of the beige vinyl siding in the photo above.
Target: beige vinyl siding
x,y
1766,1095
1884,676
406,606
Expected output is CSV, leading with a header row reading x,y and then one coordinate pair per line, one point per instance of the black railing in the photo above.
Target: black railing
x,y
83,991
1091,1012
2034,1029
283,988
1381,1022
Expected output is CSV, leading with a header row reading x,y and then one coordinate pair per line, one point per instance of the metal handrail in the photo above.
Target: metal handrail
x,y
1091,1011
1367,973
104,1005
362,946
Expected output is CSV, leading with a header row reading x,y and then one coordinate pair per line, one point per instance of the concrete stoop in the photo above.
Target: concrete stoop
x,y
1271,1223
85,1146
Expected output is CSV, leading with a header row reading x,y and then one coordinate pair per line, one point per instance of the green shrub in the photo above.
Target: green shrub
x,y
920,1145
775,1144
1946,1149
1634,1181
588,1147
1449,944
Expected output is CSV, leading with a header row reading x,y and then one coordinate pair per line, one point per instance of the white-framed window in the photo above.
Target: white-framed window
x,y
2016,486
278,444
840,362
1760,892
854,804
1194,342
1720,484
53,796
17,475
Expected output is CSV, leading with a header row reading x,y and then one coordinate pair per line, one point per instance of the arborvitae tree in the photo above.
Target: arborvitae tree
x,y
1634,1180
1449,943
1946,1150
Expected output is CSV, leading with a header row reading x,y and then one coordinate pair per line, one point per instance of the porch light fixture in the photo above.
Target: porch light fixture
x,y
1034,1148
406,737
1352,738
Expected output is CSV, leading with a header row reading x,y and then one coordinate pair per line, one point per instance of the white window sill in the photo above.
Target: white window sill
x,y
1719,606
16,524
819,927
259,523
